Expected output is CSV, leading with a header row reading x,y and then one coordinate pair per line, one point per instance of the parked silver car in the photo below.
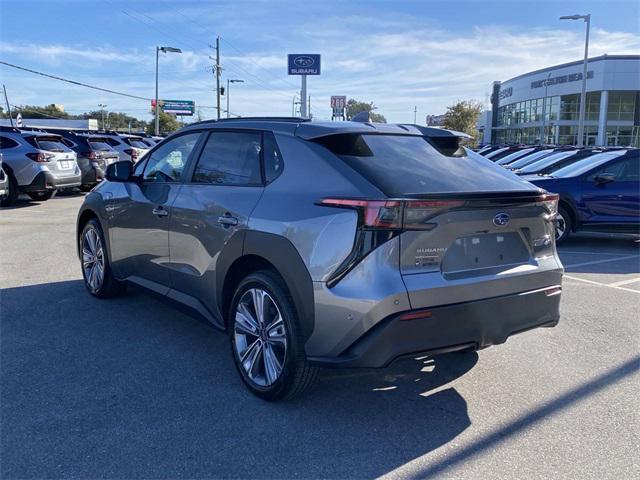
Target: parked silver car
x,y
335,244
130,147
37,163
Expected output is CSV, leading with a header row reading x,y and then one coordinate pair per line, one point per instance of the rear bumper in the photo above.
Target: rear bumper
x,y
470,325
45,180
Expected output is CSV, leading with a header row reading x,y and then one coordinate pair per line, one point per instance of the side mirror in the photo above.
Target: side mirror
x,y
119,171
604,178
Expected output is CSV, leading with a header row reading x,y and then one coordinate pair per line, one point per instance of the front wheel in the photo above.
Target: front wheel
x,y
563,225
265,340
12,196
96,270
41,196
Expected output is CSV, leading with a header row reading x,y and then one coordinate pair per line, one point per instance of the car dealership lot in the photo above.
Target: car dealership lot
x,y
132,387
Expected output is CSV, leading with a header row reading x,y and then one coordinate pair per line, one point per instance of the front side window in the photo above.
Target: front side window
x,y
230,158
167,162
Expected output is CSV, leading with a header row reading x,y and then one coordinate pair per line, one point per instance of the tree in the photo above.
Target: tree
x,y
33,111
463,117
168,123
354,107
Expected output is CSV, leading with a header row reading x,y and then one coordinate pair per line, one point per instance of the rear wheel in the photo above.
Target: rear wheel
x,y
563,225
11,197
96,270
265,341
41,196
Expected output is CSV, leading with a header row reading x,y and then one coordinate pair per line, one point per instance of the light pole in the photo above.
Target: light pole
x,y
102,107
235,80
163,50
544,109
583,95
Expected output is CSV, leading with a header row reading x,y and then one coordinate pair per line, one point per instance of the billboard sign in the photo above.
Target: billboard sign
x,y
176,107
303,64
338,102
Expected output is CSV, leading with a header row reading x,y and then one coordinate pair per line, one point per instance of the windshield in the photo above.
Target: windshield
x,y
136,143
547,161
51,144
99,144
403,164
530,158
512,156
586,164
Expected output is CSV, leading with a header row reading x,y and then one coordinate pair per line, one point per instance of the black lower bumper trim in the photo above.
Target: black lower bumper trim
x,y
45,180
465,326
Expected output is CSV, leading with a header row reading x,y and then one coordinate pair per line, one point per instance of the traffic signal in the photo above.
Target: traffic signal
x,y
222,91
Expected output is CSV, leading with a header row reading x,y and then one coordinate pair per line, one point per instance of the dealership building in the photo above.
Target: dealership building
x,y
545,104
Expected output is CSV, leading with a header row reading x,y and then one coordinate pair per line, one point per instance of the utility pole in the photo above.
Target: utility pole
x,y
218,75
8,106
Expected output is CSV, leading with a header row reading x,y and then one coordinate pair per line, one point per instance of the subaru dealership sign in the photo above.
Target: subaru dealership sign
x,y
304,64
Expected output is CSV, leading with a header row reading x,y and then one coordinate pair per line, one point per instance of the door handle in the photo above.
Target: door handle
x,y
227,220
160,212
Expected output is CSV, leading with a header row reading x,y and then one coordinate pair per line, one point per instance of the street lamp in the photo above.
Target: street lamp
x,y
102,107
163,50
236,80
583,95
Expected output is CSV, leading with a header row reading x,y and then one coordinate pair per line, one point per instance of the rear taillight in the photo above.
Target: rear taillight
x,y
92,155
40,157
395,214
550,202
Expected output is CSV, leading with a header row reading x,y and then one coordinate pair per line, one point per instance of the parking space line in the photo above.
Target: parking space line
x,y
606,260
624,282
600,284
575,252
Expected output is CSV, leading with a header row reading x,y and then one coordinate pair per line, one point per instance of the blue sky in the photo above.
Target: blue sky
x,y
397,54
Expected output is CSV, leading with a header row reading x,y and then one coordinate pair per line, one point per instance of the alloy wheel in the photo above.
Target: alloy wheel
x,y
260,337
93,259
561,225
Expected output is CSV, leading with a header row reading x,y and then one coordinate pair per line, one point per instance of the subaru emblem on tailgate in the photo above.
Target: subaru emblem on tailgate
x,y
501,219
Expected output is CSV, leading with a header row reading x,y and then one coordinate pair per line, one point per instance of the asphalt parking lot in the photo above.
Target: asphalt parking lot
x,y
132,388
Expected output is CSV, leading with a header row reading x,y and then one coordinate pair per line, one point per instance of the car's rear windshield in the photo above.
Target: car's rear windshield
x,y
404,165
136,143
547,161
99,144
586,164
50,144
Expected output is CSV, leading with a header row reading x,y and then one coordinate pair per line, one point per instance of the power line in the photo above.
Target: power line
x,y
74,82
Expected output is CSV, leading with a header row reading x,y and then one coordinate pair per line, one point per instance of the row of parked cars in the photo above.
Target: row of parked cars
x,y
599,187
39,162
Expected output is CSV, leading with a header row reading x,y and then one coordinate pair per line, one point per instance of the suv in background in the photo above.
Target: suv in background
x,y
337,244
130,147
94,154
599,192
37,163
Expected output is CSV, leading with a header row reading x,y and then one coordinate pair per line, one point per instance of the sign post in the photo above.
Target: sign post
x,y
338,106
303,65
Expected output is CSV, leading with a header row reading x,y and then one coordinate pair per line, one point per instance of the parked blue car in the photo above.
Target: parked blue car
x,y
598,193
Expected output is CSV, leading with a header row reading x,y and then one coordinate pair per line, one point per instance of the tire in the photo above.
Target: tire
x,y
258,351
41,196
563,225
96,270
12,197
86,188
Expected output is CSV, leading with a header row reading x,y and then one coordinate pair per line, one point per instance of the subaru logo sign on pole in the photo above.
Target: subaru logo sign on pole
x,y
303,64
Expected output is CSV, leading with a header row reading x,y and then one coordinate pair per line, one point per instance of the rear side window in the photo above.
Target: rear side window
x,y
402,165
230,158
7,143
273,163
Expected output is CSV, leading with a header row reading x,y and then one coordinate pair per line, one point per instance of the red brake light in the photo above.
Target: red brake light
x,y
40,157
385,214
92,155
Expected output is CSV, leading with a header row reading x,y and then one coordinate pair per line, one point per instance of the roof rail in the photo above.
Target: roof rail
x,y
253,119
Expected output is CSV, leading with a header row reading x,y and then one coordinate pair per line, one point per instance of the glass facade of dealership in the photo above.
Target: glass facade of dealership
x,y
611,116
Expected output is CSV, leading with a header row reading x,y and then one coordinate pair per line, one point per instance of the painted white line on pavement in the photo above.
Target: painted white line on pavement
x,y
606,260
599,284
576,252
624,282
